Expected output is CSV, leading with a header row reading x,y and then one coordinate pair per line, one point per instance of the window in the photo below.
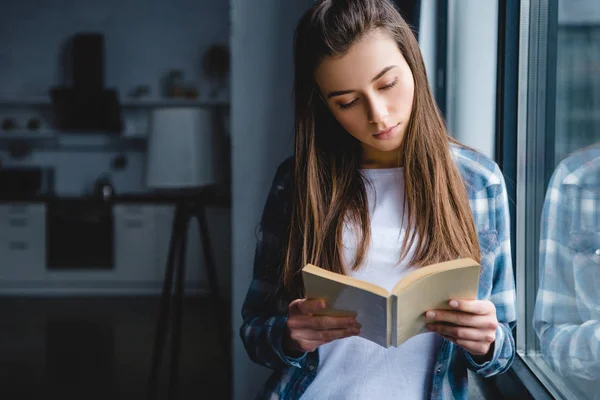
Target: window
x,y
558,195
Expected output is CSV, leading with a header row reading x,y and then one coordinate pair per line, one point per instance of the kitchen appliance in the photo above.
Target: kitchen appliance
x,y
86,105
26,183
79,234
103,189
87,61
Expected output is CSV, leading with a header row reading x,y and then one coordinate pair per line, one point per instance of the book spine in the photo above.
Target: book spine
x,y
394,327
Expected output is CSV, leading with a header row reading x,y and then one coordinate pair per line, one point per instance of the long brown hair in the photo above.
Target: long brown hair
x,y
329,189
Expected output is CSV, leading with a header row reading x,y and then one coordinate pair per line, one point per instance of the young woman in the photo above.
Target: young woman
x,y
375,189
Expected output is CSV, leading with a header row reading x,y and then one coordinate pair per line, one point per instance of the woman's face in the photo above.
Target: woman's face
x,y
369,90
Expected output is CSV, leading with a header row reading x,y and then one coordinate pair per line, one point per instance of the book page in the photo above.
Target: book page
x,y
371,310
430,293
421,272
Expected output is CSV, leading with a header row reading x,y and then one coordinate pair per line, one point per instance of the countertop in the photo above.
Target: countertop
x,y
211,196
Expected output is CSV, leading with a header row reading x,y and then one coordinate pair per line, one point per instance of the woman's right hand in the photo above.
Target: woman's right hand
x,y
306,331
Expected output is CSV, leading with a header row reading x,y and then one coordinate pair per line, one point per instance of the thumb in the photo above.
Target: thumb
x,y
294,307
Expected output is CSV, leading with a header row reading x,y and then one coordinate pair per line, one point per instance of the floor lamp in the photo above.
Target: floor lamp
x,y
181,164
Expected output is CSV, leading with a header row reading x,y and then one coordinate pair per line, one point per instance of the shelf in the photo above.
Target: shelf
x,y
48,140
27,135
172,103
128,103
32,101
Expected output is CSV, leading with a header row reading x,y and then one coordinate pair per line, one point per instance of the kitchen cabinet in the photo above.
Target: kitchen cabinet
x,y
134,235
22,241
142,238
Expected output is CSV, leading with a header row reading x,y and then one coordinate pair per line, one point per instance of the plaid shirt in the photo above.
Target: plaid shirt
x,y
265,312
567,311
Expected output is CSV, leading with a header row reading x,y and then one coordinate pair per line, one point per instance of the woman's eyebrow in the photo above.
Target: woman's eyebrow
x,y
342,92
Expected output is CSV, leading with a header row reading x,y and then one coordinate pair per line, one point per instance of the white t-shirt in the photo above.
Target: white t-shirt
x,y
355,368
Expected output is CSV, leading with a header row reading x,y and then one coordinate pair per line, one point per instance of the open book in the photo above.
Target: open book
x,y
389,319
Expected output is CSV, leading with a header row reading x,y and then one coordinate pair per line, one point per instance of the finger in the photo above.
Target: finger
x,y
299,306
293,307
300,335
479,307
310,306
321,322
459,332
463,319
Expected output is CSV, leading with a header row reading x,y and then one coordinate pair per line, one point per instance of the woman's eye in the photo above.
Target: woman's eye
x,y
348,105
353,102
390,85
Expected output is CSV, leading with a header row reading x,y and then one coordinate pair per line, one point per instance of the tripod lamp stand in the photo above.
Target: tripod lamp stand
x,y
181,164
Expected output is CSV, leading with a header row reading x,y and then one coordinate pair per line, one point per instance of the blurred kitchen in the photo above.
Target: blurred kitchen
x,y
114,164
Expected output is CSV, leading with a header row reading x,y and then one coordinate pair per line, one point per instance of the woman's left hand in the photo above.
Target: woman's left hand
x,y
471,324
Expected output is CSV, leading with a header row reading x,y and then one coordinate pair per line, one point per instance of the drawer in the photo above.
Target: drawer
x,y
21,209
21,259
16,247
23,227
36,235
11,214
134,210
134,230
14,209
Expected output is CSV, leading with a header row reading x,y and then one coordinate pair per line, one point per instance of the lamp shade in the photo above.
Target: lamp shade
x,y
181,148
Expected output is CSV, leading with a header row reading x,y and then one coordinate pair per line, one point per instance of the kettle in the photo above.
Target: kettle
x,y
103,189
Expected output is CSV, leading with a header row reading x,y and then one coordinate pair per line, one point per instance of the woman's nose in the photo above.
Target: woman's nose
x,y
377,112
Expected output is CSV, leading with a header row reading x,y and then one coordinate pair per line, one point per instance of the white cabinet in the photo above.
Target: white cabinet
x,y
141,239
22,241
135,254
141,242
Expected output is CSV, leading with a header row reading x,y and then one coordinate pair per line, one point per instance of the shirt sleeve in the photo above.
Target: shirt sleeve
x,y
564,318
264,311
502,291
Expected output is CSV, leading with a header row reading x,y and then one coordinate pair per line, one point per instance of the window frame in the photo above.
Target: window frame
x,y
441,57
536,105
526,101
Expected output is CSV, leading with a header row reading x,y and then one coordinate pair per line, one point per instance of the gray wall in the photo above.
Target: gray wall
x,y
143,39
262,137
471,85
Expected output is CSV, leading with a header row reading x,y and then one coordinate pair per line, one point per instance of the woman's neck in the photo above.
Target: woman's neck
x,y
373,159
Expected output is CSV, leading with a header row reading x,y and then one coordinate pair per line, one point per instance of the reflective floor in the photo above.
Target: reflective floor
x,y
90,348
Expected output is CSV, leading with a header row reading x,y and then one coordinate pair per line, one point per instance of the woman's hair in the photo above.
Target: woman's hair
x,y
329,189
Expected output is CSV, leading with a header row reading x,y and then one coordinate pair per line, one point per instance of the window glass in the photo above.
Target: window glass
x,y
566,318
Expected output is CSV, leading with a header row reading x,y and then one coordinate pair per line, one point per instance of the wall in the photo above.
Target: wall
x,y
143,39
472,59
427,32
262,137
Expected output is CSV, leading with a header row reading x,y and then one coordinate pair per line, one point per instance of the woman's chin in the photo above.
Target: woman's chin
x,y
384,146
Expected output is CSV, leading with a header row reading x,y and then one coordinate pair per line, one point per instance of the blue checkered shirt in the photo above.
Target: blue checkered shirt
x,y
265,312
567,313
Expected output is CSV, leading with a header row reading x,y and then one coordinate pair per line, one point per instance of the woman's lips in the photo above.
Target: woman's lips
x,y
386,133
